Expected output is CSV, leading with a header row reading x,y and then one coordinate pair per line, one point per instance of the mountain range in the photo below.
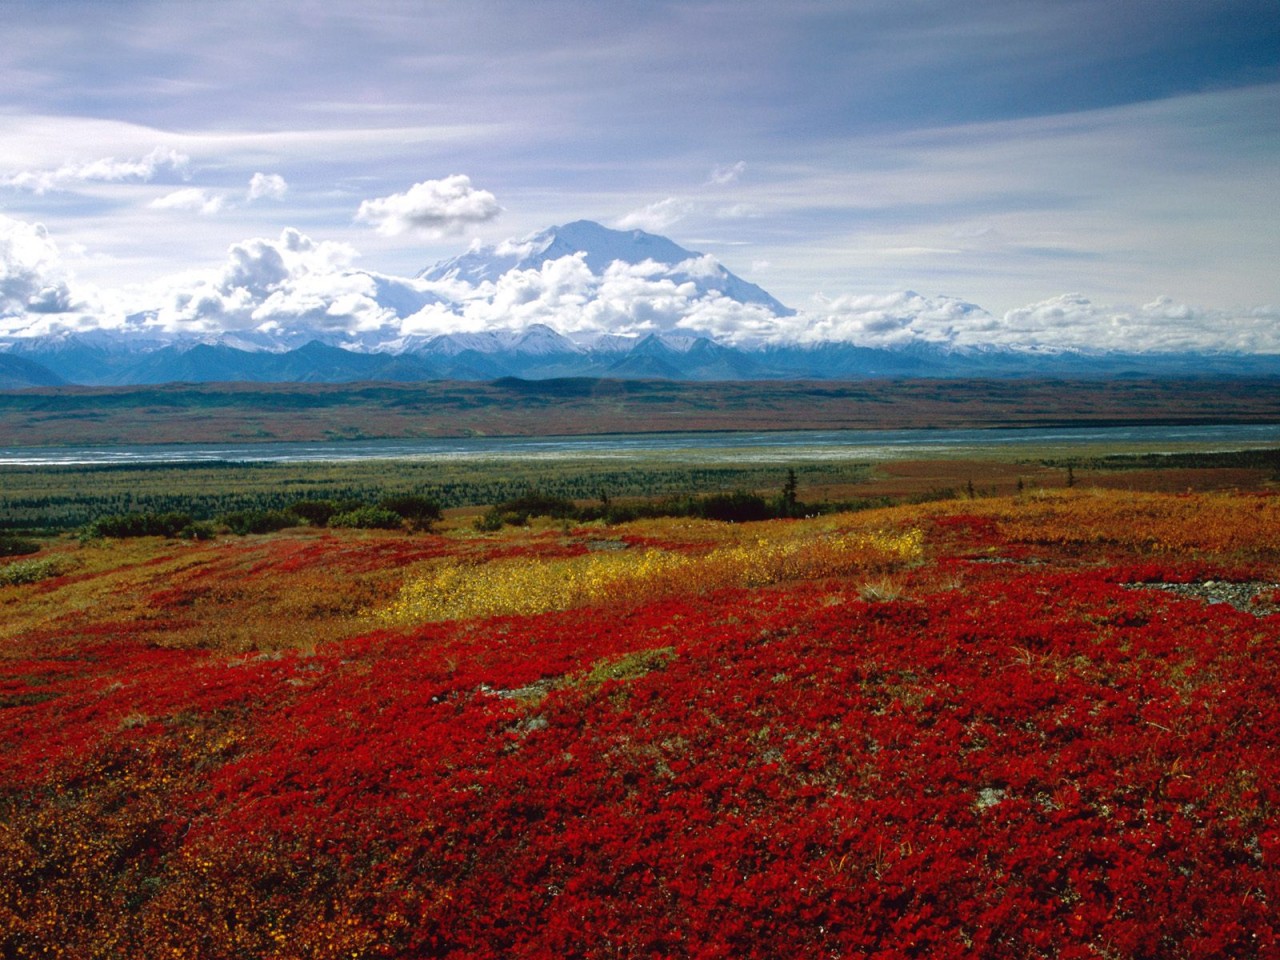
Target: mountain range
x,y
141,352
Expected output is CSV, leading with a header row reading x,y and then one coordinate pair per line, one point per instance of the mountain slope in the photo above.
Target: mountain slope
x,y
19,373
577,300
601,247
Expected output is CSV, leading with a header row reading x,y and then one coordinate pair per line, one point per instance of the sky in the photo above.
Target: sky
x,y
1087,172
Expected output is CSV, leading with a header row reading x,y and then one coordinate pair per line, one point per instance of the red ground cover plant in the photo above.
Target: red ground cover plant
x,y
1015,757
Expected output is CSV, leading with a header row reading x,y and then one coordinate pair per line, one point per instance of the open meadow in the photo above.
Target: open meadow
x,y
1019,711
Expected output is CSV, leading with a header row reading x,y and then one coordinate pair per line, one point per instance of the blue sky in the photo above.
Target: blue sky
x,y
1006,152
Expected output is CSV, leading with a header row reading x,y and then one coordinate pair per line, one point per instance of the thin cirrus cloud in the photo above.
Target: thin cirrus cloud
x,y
656,216
101,170
433,207
725,175
666,213
262,186
192,199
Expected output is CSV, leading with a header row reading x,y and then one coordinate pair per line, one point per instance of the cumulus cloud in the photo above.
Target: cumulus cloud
x,y
1074,322
105,170
190,198
656,216
434,207
891,320
270,289
721,176
629,300
284,290
1069,322
269,186
32,276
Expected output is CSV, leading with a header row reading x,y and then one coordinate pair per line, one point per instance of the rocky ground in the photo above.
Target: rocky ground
x,y
1257,597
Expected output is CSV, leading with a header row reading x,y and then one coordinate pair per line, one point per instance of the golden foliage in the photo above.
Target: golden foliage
x,y
452,590
1152,522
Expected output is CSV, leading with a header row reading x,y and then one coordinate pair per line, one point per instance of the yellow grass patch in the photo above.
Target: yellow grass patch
x,y
451,590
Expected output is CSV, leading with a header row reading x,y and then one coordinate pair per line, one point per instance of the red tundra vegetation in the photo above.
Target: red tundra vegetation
x,y
1006,728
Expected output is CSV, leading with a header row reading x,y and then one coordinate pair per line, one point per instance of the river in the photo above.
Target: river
x,y
796,445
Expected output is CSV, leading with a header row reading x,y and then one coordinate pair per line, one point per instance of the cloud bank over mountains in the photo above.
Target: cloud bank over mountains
x,y
581,280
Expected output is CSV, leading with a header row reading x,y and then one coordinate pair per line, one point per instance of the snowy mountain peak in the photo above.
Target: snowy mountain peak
x,y
536,340
601,247
539,340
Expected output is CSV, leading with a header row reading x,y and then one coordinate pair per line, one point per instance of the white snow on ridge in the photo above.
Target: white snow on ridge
x,y
576,289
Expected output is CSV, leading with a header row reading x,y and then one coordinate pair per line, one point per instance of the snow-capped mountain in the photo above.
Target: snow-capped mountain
x,y
602,248
538,340
579,300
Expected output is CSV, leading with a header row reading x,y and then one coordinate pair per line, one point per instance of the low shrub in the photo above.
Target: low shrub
x,y
535,504
368,518
420,512
736,507
140,525
315,512
490,521
11,546
244,522
30,571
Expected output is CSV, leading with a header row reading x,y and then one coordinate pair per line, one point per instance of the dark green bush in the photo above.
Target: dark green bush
x,y
535,504
516,512
11,546
616,513
244,522
490,521
735,507
140,525
421,512
368,518
315,512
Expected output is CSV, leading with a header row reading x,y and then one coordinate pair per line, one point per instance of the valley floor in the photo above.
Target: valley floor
x,y
262,412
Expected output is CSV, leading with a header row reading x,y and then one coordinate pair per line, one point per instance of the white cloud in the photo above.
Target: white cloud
x,y
656,216
279,291
891,320
433,207
271,287
720,176
189,198
105,169
1066,322
737,211
32,276
270,186
626,299
1164,325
